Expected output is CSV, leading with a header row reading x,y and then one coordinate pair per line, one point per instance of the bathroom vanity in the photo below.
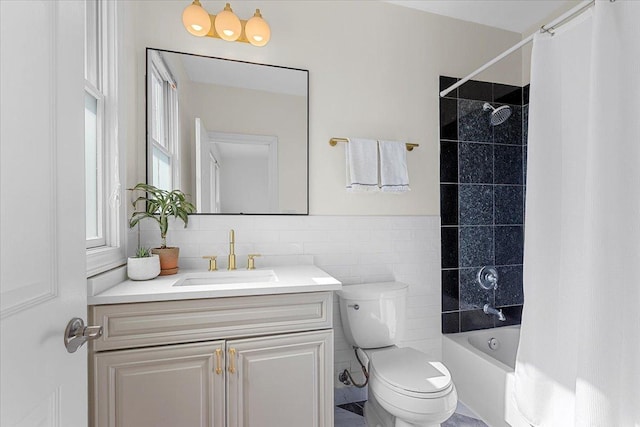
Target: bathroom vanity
x,y
249,353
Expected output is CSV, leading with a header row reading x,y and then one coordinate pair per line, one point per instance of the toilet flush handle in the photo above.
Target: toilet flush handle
x,y
354,306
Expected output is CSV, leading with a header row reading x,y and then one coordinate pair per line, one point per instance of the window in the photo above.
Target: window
x,y
162,125
93,168
104,227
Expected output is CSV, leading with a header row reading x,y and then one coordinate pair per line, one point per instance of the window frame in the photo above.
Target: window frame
x,y
101,239
112,253
156,66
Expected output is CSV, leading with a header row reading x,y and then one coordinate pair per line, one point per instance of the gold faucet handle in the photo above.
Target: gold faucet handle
x,y
251,265
213,263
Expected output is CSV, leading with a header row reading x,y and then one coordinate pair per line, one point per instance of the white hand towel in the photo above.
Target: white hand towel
x,y
362,165
394,174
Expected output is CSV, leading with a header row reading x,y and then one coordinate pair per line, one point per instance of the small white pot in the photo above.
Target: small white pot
x,y
143,268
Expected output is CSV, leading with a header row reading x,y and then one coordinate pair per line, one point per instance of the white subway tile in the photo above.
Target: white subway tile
x,y
353,249
278,248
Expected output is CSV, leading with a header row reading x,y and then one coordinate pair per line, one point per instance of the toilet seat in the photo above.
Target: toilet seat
x,y
409,372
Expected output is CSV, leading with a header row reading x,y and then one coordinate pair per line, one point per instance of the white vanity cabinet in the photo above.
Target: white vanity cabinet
x,y
254,361
158,386
281,381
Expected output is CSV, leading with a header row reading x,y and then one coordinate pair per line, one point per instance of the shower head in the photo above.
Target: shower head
x,y
498,115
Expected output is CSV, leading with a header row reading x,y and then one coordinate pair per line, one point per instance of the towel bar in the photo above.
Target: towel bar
x,y
334,141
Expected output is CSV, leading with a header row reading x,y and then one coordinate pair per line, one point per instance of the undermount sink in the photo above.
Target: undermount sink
x,y
228,278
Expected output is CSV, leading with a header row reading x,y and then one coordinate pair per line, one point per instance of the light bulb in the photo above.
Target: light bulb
x,y
228,25
257,30
196,20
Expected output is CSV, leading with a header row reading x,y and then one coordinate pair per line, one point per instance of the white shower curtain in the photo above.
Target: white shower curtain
x,y
578,361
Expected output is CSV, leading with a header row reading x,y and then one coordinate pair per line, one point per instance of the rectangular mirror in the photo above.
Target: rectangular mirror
x,y
232,134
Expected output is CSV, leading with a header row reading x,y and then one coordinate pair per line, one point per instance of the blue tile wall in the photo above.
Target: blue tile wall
x,y
473,296
507,167
510,295
449,162
449,204
475,246
475,163
482,199
508,132
473,122
475,204
509,204
509,241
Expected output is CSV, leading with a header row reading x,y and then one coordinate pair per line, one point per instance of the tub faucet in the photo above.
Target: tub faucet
x,y
490,310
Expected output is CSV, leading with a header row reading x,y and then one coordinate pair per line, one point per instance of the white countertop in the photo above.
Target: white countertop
x,y
295,279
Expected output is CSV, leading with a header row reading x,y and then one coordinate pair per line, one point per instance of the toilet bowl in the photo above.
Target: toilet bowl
x,y
412,388
406,387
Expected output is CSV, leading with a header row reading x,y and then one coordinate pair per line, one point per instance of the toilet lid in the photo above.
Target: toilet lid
x,y
411,370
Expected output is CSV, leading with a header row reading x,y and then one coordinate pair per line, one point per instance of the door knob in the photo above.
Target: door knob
x,y
77,334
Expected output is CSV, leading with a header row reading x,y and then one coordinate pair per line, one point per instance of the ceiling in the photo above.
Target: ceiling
x,y
201,69
513,15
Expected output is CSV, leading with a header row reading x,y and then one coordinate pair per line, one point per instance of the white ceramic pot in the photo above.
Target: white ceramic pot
x,y
143,268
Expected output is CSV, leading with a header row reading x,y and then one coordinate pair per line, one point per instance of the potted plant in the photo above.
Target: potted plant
x,y
160,205
143,265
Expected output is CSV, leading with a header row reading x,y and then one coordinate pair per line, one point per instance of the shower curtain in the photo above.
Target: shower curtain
x,y
578,362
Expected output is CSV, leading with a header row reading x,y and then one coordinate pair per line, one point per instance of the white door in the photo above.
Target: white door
x,y
42,226
214,184
205,193
249,162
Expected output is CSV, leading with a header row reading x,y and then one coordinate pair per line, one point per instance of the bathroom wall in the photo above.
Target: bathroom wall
x,y
374,71
231,116
563,6
482,188
354,249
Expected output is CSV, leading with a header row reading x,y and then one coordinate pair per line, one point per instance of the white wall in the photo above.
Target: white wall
x,y
354,249
374,71
527,49
249,174
258,113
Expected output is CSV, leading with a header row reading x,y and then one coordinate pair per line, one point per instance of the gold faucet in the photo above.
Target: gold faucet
x,y
213,265
251,264
232,254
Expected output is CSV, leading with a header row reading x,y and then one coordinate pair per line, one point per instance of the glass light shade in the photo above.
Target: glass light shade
x,y
228,25
257,30
196,20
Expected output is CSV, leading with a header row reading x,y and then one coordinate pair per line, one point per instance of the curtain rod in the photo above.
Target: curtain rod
x,y
548,28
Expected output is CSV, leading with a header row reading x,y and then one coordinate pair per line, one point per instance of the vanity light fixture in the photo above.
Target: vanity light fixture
x,y
196,20
257,30
226,25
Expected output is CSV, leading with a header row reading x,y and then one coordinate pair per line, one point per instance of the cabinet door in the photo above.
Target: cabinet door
x,y
283,380
180,385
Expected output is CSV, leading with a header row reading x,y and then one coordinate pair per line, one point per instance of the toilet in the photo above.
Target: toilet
x,y
406,388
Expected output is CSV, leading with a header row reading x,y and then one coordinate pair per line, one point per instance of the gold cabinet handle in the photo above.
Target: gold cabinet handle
x,y
213,264
232,360
218,361
251,265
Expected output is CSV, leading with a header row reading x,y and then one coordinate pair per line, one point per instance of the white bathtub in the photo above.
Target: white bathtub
x,y
484,376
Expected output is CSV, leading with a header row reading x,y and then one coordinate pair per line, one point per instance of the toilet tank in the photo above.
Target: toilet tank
x,y
373,314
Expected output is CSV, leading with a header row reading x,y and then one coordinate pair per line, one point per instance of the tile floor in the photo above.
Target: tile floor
x,y
350,415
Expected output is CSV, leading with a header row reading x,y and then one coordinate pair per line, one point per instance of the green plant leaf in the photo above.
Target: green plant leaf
x,y
160,205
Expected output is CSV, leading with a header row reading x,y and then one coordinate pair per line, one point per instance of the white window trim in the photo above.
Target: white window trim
x,y
113,253
171,122
100,181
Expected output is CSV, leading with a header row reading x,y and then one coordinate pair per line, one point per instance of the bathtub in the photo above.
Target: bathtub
x,y
484,374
